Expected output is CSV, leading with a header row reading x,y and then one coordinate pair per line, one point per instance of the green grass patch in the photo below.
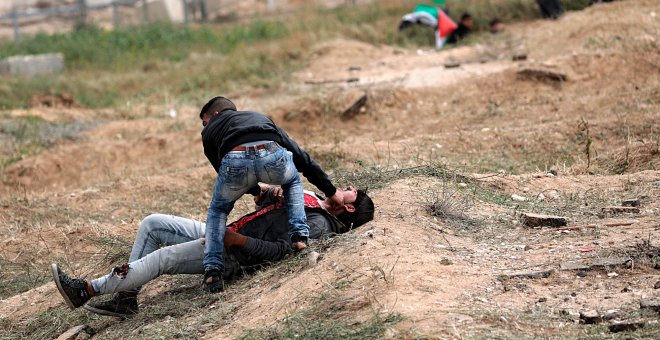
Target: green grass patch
x,y
191,63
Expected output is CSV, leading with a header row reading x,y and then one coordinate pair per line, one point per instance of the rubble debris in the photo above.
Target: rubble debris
x,y
653,305
631,202
356,107
518,198
590,317
553,170
577,227
541,75
452,64
612,261
626,326
528,275
537,220
33,65
657,285
519,56
616,209
75,332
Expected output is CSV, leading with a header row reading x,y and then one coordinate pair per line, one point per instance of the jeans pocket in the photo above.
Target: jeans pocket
x,y
236,178
277,169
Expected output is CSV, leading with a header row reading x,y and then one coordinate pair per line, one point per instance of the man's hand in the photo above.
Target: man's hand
x,y
337,199
277,194
259,198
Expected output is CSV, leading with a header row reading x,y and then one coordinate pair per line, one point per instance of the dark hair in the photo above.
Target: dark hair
x,y
494,22
364,211
217,104
466,16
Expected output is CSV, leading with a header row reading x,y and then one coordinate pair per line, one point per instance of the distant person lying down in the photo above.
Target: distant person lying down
x,y
254,239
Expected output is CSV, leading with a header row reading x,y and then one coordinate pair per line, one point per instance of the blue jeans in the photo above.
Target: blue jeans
x,y
241,170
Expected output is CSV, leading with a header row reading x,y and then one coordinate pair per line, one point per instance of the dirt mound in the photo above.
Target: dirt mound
x,y
54,100
426,134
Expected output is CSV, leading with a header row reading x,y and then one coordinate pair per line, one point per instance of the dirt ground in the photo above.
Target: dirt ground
x,y
569,148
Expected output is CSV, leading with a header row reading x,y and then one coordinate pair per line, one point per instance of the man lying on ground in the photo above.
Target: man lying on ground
x,y
257,238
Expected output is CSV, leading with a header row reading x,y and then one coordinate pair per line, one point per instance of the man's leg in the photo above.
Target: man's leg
x,y
234,179
279,169
158,230
155,231
184,258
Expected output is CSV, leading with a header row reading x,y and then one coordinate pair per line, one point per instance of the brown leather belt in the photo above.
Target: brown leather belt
x,y
248,148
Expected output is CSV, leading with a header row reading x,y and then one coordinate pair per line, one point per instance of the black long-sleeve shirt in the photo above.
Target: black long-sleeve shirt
x,y
230,128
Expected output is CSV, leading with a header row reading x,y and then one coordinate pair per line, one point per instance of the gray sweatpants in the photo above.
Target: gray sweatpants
x,y
182,253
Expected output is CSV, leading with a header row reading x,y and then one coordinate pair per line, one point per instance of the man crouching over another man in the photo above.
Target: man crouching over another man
x,y
256,238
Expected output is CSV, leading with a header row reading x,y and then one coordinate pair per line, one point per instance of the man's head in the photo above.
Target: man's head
x,y
213,107
467,21
358,208
495,26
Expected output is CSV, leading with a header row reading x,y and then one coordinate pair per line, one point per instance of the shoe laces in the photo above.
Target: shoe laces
x,y
69,281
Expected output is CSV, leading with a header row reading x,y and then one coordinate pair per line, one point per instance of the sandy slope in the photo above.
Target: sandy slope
x,y
440,275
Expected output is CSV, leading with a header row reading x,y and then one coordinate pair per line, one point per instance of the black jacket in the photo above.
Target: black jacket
x,y
232,128
268,229
458,34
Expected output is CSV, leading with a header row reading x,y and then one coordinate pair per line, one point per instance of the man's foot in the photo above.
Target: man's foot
x,y
298,242
213,281
121,305
298,246
74,291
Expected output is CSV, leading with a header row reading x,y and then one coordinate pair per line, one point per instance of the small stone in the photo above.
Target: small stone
x,y
590,317
528,275
369,233
582,273
313,258
612,274
631,202
612,261
73,332
543,299
616,210
537,220
518,198
462,185
611,314
626,290
626,326
573,265
573,294
553,170
650,304
657,285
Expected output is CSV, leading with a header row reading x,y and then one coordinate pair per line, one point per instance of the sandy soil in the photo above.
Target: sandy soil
x,y
447,277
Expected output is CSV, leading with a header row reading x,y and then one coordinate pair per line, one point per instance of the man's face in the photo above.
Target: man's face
x,y
468,22
207,116
350,194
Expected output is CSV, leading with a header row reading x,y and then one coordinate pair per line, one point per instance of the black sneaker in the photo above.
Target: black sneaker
x,y
74,291
121,305
213,281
